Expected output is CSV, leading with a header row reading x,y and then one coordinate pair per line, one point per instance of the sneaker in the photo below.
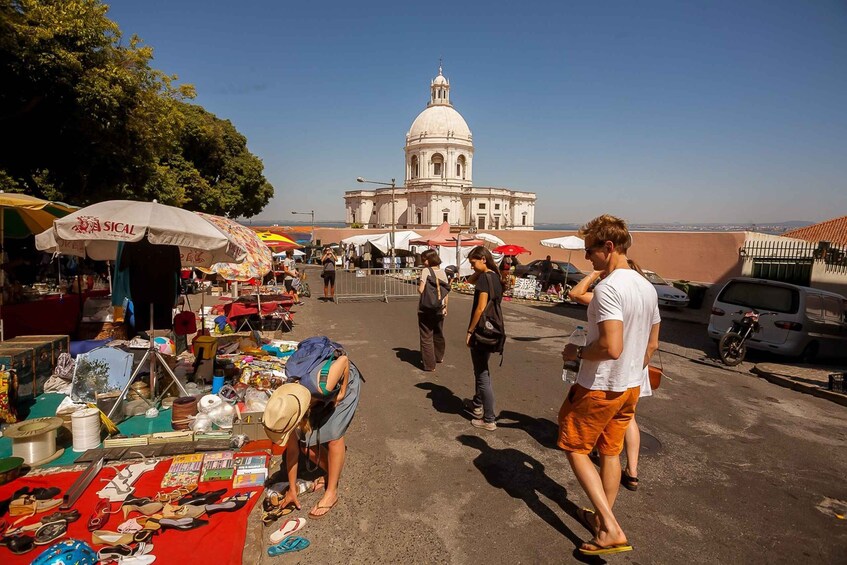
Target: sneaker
x,y
482,424
469,407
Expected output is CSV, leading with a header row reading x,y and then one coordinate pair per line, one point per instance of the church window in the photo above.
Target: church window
x,y
444,216
437,164
496,206
496,222
482,205
414,167
420,218
480,223
460,167
523,220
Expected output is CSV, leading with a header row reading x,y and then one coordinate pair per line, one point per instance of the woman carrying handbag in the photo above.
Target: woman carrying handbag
x,y
488,290
431,315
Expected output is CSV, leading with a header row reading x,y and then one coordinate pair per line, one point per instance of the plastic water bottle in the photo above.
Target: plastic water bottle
x,y
571,368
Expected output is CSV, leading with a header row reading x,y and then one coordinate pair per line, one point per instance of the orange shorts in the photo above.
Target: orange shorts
x,y
590,418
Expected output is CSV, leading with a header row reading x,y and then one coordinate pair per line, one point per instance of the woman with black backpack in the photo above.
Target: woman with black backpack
x,y
485,335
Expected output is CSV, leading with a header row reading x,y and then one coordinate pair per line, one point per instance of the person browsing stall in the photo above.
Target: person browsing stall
x,y
315,424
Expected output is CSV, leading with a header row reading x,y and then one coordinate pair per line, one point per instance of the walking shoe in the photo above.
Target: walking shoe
x,y
469,407
482,424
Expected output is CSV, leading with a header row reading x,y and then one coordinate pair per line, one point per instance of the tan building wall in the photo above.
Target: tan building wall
x,y
708,257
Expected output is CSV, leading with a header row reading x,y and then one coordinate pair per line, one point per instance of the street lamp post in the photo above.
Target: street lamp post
x,y
312,214
393,217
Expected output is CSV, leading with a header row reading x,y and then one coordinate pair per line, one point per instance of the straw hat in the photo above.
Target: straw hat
x,y
286,407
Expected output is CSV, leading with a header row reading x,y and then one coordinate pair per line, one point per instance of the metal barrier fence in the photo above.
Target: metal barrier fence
x,y
381,284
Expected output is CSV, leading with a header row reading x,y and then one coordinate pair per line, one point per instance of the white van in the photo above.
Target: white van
x,y
808,322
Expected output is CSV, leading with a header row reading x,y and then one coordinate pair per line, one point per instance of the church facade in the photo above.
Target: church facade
x,y
439,180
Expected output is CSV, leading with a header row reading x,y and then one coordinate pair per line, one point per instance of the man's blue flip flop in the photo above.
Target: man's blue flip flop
x,y
289,544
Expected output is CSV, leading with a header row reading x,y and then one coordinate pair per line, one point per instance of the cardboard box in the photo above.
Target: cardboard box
x,y
250,424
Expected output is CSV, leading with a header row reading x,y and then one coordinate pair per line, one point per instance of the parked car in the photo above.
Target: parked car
x,y
557,276
668,294
808,323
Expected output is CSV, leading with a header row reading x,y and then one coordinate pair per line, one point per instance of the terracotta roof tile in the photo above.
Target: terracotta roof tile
x,y
833,231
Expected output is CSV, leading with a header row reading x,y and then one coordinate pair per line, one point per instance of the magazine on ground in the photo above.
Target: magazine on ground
x,y
251,470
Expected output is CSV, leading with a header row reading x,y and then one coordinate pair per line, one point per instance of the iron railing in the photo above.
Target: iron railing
x,y
833,256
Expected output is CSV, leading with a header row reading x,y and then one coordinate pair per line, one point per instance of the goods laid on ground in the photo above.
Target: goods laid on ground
x,y
157,493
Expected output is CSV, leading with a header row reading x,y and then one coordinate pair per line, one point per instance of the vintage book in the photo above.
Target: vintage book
x,y
184,471
251,470
219,466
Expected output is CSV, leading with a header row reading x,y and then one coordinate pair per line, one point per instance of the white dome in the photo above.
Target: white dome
x,y
437,121
439,80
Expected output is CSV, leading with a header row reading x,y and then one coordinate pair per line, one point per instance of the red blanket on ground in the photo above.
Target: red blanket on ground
x,y
220,541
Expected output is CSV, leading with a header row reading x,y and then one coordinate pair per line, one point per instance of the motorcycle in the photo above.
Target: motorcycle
x,y
731,346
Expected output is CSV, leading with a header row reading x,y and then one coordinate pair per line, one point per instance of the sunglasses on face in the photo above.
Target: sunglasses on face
x,y
595,247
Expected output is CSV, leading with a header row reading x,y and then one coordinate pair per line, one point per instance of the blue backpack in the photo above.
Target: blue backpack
x,y
309,365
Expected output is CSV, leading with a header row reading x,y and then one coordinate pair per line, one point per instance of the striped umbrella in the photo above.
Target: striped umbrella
x,y
24,215
256,264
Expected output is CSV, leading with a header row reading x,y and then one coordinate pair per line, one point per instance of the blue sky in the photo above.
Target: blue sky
x,y
718,111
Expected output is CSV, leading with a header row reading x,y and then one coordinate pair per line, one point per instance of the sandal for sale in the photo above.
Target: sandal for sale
x,y
289,544
50,532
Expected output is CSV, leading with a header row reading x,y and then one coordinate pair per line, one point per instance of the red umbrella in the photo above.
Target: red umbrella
x,y
511,250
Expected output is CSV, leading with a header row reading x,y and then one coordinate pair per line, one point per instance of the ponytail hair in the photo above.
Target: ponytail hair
x,y
634,266
480,252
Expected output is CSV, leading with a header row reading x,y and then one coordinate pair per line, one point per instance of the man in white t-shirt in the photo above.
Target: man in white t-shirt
x,y
623,333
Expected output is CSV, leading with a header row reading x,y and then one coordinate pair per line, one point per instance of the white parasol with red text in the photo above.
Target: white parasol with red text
x,y
95,231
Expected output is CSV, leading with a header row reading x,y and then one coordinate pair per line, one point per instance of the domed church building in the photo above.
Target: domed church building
x,y
439,180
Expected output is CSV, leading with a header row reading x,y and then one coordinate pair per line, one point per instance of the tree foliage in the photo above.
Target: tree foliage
x,y
86,118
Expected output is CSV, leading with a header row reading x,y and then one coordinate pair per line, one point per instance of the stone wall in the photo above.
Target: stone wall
x,y
708,257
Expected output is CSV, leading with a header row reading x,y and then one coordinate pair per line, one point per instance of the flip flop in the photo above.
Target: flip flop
x,y
603,550
319,507
586,518
287,528
289,544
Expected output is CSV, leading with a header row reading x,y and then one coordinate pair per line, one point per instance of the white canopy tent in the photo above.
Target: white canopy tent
x,y
570,242
382,241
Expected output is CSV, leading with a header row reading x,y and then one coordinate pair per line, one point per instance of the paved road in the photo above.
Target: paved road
x,y
748,472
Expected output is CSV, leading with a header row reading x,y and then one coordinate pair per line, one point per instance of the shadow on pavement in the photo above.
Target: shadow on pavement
x,y
542,430
443,399
410,356
523,477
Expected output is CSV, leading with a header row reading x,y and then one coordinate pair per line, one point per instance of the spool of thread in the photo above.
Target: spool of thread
x,y
86,429
217,383
209,403
35,440
184,408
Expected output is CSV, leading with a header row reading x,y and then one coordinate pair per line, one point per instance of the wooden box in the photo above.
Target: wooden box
x,y
22,361
59,343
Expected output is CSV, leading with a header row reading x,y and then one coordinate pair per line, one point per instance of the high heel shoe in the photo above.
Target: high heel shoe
x,y
143,505
185,511
230,504
181,523
202,498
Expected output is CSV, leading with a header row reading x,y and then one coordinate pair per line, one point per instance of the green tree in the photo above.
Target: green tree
x,y
218,173
84,117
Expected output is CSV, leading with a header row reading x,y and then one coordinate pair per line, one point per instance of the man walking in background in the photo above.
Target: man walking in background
x,y
623,333
546,272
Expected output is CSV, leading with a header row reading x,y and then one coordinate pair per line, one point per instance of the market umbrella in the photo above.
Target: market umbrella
x,y
277,241
570,242
24,215
511,250
96,230
21,216
490,238
256,264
